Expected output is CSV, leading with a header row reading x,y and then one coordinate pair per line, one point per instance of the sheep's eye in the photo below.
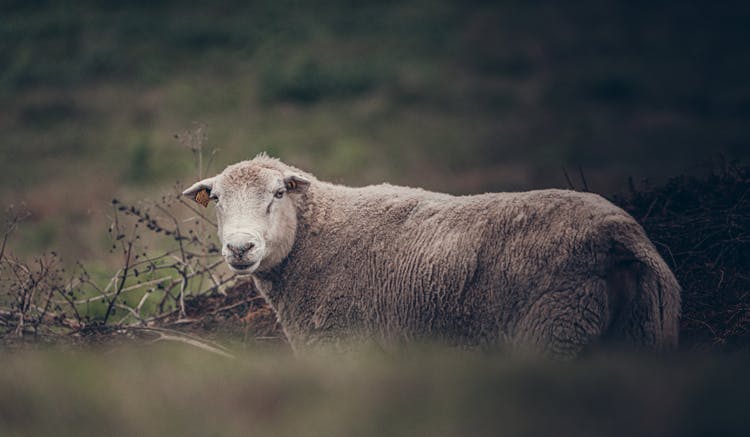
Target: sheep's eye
x,y
279,193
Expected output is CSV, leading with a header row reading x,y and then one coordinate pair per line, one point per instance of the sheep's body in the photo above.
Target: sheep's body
x,y
550,270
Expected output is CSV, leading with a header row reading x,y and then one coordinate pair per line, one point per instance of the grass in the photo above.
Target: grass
x,y
447,95
177,390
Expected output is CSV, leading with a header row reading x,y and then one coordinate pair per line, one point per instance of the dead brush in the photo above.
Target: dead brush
x,y
148,292
701,226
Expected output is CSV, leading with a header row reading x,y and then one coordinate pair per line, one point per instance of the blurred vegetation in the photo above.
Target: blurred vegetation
x,y
160,390
454,96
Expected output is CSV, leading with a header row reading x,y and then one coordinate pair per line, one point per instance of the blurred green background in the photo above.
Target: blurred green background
x,y
457,96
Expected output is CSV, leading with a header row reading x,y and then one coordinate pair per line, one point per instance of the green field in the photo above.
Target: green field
x,y
453,96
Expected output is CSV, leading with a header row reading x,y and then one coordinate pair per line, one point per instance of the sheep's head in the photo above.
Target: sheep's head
x,y
256,210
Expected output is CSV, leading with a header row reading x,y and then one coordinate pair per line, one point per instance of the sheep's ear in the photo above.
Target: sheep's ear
x,y
296,184
200,191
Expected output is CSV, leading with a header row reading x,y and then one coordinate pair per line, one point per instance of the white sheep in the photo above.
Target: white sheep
x,y
553,271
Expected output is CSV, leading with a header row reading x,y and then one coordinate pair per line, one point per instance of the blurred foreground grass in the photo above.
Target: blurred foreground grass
x,y
174,390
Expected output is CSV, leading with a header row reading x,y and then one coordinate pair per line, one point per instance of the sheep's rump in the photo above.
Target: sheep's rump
x,y
551,270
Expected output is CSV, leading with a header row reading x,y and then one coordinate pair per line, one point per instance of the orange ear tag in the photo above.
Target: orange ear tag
x,y
202,197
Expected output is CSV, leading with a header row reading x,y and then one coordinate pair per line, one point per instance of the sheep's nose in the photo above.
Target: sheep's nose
x,y
239,249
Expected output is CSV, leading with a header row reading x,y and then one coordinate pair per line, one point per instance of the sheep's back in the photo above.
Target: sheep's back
x,y
463,269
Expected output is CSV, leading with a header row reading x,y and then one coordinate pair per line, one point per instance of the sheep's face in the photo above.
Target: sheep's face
x,y
256,211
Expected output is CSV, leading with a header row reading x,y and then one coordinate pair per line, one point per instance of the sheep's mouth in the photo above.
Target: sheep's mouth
x,y
243,268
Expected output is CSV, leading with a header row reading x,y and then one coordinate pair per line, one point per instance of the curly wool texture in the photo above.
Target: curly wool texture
x,y
553,271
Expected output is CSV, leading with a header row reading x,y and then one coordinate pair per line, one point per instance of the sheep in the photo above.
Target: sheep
x,y
551,271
